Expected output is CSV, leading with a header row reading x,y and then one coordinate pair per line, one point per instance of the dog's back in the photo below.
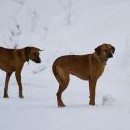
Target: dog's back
x,y
6,59
72,64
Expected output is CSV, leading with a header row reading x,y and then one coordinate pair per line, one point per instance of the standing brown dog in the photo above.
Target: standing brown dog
x,y
87,67
12,60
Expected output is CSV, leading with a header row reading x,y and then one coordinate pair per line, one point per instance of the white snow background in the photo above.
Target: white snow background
x,y
63,27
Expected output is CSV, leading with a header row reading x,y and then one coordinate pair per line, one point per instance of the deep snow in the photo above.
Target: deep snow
x,y
44,24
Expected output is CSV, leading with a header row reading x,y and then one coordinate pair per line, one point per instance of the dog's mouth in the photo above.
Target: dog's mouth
x,y
110,55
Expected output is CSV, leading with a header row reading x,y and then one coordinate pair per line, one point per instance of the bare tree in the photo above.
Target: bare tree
x,y
14,33
67,6
21,2
34,19
45,31
126,53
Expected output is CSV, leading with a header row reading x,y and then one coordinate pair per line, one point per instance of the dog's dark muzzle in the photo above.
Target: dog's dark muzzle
x,y
37,60
110,55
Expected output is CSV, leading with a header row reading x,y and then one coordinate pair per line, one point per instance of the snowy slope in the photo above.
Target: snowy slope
x,y
44,24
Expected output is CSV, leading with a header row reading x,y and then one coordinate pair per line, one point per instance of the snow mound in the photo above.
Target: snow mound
x,y
107,100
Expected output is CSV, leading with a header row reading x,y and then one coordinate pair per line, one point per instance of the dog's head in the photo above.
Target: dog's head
x,y
105,51
32,53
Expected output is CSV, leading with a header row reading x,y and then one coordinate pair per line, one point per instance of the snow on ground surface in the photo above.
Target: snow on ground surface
x,y
44,24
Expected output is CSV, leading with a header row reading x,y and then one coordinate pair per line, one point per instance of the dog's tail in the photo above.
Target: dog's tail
x,y
57,73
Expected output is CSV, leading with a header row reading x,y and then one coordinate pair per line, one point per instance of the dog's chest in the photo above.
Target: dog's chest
x,y
96,70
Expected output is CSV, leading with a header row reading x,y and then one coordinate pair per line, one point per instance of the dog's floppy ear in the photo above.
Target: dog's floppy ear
x,y
98,50
113,49
40,49
27,51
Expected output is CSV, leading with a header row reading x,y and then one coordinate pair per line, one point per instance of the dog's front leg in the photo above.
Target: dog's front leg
x,y
18,78
92,87
6,84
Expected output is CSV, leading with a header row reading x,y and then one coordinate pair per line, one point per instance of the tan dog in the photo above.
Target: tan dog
x,y
87,67
12,60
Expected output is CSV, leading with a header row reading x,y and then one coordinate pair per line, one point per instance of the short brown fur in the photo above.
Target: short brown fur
x,y
12,60
86,67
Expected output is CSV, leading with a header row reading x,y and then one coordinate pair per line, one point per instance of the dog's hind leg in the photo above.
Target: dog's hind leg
x,y
59,96
62,86
6,84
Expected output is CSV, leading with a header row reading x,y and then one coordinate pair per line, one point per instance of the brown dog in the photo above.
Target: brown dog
x,y
87,67
12,60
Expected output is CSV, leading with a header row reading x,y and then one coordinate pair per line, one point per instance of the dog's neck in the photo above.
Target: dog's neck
x,y
25,57
99,59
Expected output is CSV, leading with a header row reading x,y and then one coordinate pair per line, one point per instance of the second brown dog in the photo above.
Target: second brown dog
x,y
12,60
87,67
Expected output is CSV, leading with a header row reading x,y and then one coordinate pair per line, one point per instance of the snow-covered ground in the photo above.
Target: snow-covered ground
x,y
66,27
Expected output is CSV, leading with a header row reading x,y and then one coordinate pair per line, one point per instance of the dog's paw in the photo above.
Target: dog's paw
x,y
21,96
5,96
91,103
61,105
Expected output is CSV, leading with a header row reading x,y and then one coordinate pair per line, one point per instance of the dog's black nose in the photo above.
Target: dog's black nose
x,y
38,60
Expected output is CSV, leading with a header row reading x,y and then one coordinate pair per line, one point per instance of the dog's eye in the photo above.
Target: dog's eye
x,y
105,50
34,54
